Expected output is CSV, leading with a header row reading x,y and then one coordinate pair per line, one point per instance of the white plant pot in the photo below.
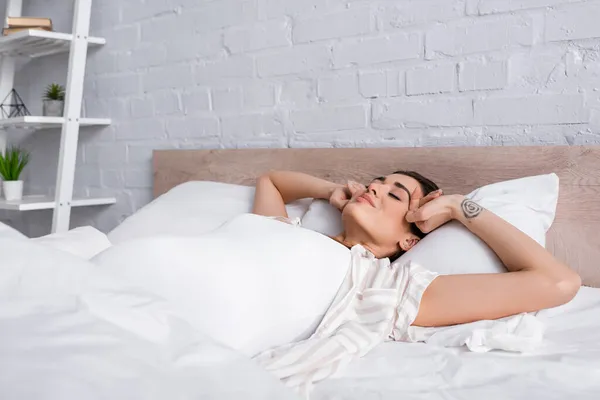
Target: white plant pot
x,y
13,190
53,108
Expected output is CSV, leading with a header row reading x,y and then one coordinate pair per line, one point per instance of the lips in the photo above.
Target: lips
x,y
366,198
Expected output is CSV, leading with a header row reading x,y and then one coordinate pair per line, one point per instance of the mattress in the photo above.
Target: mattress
x,y
566,366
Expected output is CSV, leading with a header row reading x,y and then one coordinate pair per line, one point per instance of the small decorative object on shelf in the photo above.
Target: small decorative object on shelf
x,y
15,106
12,163
54,100
18,24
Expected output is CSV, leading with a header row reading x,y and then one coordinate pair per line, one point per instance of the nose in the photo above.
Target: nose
x,y
378,188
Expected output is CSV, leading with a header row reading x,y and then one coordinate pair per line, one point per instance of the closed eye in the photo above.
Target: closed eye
x,y
394,196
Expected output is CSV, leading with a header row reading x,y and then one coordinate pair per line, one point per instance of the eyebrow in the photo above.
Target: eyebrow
x,y
398,185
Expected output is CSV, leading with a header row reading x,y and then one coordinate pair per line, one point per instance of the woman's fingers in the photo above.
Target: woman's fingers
x,y
430,196
355,188
418,215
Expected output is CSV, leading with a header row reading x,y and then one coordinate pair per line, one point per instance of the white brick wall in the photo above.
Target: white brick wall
x,y
278,73
431,79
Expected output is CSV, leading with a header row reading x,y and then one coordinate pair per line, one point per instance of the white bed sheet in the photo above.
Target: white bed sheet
x,y
69,331
567,366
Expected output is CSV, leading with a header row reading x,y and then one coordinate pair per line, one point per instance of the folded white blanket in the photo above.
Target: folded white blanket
x,y
378,302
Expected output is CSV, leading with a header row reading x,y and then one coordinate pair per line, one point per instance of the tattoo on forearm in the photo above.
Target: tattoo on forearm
x,y
470,209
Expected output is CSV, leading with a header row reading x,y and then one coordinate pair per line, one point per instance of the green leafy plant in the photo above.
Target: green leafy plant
x,y
12,163
54,91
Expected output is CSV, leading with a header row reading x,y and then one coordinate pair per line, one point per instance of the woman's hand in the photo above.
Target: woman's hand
x,y
341,195
433,210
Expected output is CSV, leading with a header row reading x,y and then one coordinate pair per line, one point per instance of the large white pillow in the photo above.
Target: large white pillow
x,y
254,283
527,203
193,208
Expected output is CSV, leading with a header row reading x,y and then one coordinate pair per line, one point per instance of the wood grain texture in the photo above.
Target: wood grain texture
x,y
574,238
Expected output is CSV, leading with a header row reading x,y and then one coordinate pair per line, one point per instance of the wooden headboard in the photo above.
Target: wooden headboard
x,y
574,237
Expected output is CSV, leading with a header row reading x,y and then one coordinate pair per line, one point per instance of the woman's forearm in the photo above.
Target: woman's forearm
x,y
278,188
515,249
295,185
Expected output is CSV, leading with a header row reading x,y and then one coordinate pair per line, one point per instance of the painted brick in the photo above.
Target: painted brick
x,y
141,153
421,113
141,129
206,46
192,127
227,99
167,102
543,109
373,84
408,13
352,22
142,56
223,14
475,36
86,175
499,6
167,77
329,119
381,83
300,59
121,38
112,179
142,107
293,8
577,21
121,85
251,126
138,10
537,70
161,28
298,93
235,67
195,100
258,95
257,37
482,75
338,87
377,50
138,178
107,154
431,79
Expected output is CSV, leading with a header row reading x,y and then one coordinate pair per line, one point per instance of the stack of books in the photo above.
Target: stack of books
x,y
18,24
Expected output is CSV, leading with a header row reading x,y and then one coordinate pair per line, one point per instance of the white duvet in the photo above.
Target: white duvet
x,y
67,331
70,331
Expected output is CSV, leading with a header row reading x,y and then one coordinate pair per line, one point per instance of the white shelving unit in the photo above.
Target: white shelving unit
x,y
33,44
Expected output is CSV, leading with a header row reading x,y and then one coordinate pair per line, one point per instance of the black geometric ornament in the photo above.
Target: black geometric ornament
x,y
14,109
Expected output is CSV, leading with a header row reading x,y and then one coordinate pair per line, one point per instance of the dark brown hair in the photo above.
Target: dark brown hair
x,y
427,186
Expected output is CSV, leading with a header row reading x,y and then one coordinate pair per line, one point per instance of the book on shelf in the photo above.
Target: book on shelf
x,y
10,31
29,22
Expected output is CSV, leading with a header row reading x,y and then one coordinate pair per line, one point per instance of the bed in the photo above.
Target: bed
x,y
569,365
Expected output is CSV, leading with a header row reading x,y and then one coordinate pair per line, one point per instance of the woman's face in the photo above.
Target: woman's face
x,y
378,216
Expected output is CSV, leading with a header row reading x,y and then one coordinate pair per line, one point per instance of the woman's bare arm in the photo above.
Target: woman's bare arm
x,y
278,188
536,280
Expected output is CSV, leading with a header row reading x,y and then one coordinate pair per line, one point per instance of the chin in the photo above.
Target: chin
x,y
358,214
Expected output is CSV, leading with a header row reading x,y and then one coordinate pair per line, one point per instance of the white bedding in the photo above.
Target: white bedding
x,y
68,331
567,366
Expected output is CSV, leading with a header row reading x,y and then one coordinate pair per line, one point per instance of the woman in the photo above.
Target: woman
x,y
387,218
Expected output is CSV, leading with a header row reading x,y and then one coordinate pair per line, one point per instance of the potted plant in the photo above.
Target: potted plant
x,y
54,100
12,163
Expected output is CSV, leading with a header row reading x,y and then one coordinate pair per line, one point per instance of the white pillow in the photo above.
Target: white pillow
x,y
193,208
84,242
527,203
254,283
